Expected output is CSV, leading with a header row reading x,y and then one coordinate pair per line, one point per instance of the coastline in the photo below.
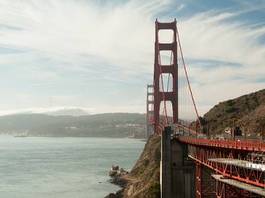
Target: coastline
x,y
143,180
121,182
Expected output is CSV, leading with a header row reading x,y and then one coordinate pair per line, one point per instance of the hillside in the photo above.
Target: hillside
x,y
100,125
246,112
145,174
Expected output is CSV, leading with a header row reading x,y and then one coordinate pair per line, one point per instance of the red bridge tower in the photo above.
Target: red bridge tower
x,y
172,68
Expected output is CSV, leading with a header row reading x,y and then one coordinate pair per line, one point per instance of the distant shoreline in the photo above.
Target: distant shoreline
x,y
109,137
114,125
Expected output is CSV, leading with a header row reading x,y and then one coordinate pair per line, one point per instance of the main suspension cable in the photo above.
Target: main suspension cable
x,y
187,78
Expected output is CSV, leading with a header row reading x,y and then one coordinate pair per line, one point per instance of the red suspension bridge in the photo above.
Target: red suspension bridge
x,y
235,168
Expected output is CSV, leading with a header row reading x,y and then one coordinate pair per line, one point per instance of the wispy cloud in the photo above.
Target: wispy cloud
x,y
102,53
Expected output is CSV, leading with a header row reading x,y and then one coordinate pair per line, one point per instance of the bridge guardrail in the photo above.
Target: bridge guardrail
x,y
247,145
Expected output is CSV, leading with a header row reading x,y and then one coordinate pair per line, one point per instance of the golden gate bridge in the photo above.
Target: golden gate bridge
x,y
222,168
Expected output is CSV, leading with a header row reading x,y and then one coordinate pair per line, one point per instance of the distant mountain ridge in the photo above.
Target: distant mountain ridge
x,y
247,112
71,111
99,125
68,111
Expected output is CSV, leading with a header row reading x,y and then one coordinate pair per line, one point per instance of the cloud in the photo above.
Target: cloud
x,y
66,30
102,53
233,45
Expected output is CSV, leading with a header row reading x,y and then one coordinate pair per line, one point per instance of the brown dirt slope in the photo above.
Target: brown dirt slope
x,y
143,180
247,112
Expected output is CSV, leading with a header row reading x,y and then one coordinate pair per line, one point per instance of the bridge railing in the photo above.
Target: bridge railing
x,y
248,145
191,136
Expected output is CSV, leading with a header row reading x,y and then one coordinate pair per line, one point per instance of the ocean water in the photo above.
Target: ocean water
x,y
40,167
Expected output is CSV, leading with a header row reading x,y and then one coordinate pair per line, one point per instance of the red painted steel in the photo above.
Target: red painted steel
x,y
201,153
149,110
227,191
187,78
198,180
243,145
201,150
162,96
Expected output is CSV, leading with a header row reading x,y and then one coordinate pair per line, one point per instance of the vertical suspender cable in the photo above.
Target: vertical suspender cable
x,y
187,78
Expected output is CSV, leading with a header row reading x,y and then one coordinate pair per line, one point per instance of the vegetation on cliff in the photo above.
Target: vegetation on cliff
x,y
247,112
143,180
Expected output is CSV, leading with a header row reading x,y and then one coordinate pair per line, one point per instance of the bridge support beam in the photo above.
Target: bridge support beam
x,y
165,164
177,171
198,180
183,171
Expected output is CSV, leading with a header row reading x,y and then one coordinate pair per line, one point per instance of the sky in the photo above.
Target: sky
x,y
98,55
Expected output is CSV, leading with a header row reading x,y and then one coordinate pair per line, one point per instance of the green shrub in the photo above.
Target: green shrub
x,y
155,190
230,109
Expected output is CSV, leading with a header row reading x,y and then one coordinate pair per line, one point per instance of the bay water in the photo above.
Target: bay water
x,y
48,167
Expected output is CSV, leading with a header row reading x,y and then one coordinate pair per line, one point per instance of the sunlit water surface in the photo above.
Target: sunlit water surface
x,y
38,167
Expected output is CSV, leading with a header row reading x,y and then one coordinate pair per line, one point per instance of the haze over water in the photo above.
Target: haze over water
x,y
62,167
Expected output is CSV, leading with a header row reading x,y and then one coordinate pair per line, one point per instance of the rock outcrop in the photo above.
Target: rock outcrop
x,y
118,176
143,180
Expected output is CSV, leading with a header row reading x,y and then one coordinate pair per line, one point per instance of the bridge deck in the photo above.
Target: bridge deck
x,y
241,185
239,163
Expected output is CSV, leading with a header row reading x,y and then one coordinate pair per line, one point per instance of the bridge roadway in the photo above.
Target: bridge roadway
x,y
242,145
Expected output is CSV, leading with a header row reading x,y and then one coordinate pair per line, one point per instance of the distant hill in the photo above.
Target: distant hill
x,y
247,112
100,125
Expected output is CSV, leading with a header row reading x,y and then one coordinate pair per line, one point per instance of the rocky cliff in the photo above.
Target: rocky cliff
x,y
144,177
143,180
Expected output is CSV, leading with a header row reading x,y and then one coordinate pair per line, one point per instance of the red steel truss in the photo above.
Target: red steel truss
x,y
224,190
204,183
202,151
198,178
